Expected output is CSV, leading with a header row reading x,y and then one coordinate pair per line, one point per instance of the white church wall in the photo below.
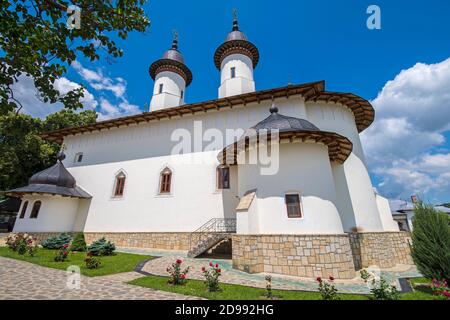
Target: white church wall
x,y
356,179
57,214
389,224
305,169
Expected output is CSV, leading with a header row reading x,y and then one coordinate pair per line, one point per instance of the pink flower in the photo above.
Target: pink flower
x,y
203,269
65,246
179,261
217,265
446,293
331,278
210,264
183,276
219,271
319,279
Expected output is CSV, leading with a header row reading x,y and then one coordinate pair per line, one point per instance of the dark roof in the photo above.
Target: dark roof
x,y
289,129
283,123
236,42
54,180
172,60
313,91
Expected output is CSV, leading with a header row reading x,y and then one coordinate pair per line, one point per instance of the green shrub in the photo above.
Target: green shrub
x,y
431,242
92,262
78,243
62,253
57,242
102,247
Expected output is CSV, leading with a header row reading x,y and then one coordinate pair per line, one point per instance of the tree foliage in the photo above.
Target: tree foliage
x,y
23,151
35,41
431,242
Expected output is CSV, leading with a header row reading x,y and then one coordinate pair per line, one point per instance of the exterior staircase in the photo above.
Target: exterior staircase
x,y
210,234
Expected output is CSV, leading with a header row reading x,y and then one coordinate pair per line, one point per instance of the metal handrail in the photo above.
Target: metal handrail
x,y
215,225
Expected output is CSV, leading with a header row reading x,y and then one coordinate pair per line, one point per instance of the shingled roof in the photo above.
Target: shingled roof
x,y
311,92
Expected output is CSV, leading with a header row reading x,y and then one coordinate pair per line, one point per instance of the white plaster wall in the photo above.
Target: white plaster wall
x,y
57,214
243,82
389,224
353,175
304,168
143,150
173,84
247,221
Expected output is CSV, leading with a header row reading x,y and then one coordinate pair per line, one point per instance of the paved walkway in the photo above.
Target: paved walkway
x,y
23,280
158,266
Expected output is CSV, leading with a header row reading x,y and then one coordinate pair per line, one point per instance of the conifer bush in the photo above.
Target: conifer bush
x,y
78,243
431,242
101,247
57,242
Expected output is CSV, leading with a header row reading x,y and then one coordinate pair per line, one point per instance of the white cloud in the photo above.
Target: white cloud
x,y
25,92
108,110
98,81
412,115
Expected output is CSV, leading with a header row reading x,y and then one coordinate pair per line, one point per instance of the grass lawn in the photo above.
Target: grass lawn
x,y
238,292
422,290
120,262
230,291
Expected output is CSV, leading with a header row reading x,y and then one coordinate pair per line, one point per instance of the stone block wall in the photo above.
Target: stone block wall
x,y
296,255
383,249
152,240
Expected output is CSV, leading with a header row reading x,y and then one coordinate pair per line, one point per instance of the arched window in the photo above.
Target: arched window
x,y
119,184
35,211
24,209
223,177
165,181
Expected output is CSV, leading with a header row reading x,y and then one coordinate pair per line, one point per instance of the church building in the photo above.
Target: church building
x,y
311,212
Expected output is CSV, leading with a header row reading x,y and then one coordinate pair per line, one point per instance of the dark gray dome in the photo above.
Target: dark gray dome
x,y
173,54
55,175
283,123
236,35
53,180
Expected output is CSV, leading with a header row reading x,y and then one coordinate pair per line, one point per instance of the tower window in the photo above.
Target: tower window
x,y
182,94
161,85
293,205
233,72
35,211
223,177
24,209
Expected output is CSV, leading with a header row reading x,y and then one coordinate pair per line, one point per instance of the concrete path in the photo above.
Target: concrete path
x,y
23,280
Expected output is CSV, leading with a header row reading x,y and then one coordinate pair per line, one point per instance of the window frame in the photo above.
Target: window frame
x,y
219,177
233,72
161,88
165,181
119,185
298,205
78,157
35,212
23,210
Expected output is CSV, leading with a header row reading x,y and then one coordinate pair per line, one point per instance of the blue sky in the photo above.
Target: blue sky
x,y
302,41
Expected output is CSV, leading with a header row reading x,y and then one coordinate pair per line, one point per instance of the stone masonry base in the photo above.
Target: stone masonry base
x,y
339,255
296,255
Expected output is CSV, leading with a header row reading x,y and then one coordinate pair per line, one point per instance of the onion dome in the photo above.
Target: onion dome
x,y
55,180
236,42
173,61
289,129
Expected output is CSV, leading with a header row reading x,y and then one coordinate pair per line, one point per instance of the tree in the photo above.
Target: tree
x,y
431,242
23,151
35,41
